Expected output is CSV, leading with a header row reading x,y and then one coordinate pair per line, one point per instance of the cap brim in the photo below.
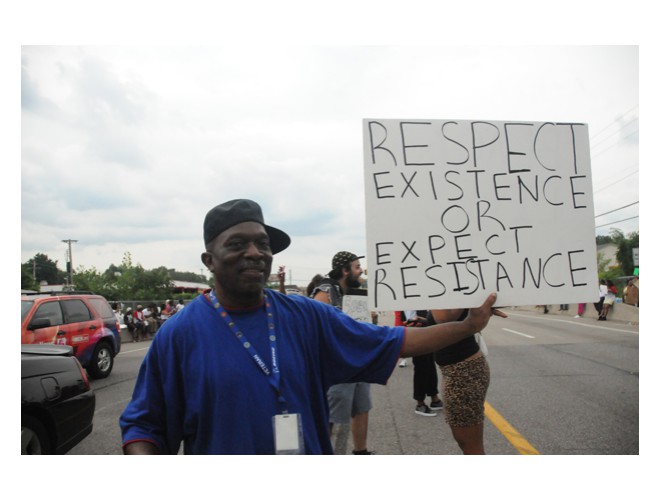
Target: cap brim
x,y
279,240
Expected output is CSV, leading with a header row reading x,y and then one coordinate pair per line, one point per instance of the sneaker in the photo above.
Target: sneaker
x,y
403,363
364,452
424,411
436,405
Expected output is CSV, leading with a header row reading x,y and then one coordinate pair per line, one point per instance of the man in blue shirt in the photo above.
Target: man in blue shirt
x,y
245,370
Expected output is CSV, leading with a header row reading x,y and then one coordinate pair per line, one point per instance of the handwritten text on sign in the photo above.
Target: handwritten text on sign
x,y
458,209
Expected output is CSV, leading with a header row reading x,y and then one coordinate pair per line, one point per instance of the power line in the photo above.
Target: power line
x,y
618,131
614,122
617,221
595,146
616,209
616,182
615,144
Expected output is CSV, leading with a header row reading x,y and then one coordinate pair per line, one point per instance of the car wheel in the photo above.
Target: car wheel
x,y
102,361
34,437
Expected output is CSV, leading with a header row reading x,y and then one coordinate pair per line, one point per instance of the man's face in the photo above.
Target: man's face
x,y
352,279
240,259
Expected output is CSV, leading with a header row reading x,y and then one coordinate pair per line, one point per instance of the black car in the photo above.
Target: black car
x,y
57,402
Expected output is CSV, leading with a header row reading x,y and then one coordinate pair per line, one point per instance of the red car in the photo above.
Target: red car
x,y
83,321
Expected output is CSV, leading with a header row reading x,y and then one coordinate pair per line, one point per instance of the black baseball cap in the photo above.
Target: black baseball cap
x,y
230,213
342,258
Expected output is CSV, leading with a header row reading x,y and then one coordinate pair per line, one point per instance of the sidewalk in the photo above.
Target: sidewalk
x,y
620,312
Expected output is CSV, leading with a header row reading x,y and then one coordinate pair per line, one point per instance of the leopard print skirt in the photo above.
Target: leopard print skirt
x,y
464,386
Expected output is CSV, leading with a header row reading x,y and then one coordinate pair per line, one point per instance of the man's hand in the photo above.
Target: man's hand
x,y
478,318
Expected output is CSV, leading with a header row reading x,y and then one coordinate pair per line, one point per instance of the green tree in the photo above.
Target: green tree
x,y
93,281
186,276
603,265
624,253
133,282
602,239
125,282
27,281
625,245
45,269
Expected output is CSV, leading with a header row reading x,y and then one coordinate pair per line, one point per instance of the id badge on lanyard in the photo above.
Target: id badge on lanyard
x,y
287,427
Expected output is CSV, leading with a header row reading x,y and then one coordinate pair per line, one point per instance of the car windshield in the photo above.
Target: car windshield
x,y
26,305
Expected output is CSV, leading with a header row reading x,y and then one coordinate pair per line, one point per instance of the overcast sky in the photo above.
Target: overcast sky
x,y
125,149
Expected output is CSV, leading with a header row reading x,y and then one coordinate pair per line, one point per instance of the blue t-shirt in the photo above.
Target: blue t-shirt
x,y
199,385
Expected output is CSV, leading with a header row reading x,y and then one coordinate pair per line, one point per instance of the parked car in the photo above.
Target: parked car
x,y
85,322
57,402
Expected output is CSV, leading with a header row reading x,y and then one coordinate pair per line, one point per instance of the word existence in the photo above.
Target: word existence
x,y
458,209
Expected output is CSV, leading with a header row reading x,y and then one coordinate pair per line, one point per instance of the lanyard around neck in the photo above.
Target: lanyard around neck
x,y
273,373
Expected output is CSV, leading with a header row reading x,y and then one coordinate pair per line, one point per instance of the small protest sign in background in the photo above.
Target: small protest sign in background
x,y
457,209
356,306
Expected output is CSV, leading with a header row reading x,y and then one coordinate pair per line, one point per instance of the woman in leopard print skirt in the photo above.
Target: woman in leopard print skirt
x,y
465,380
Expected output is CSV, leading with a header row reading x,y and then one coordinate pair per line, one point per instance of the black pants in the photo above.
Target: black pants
x,y
425,377
599,305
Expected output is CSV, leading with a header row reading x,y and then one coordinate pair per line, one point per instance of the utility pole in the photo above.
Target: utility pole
x,y
70,261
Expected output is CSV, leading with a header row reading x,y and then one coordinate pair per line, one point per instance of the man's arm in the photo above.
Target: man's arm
x,y
322,297
420,341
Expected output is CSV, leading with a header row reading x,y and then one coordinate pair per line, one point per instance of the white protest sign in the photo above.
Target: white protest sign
x,y
457,209
357,307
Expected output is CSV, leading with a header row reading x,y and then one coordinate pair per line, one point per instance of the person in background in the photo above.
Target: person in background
x,y
139,322
425,375
349,402
399,320
602,291
608,303
129,321
116,308
281,276
631,293
465,381
151,319
313,284
165,313
169,308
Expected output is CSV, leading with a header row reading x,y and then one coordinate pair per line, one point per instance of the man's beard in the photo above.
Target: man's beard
x,y
353,282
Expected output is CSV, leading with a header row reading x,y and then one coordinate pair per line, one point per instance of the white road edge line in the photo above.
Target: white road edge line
x,y
600,326
132,350
518,333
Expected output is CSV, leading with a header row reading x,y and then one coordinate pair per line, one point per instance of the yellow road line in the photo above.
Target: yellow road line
x,y
509,432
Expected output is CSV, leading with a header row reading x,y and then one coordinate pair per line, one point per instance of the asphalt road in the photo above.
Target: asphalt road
x,y
559,386
112,395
